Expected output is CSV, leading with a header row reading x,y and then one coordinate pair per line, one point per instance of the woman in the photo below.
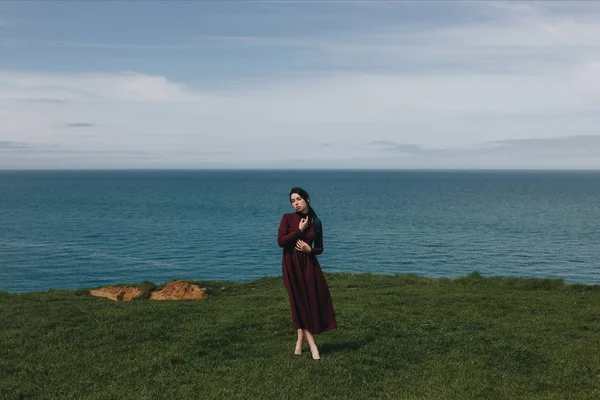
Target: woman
x,y
310,301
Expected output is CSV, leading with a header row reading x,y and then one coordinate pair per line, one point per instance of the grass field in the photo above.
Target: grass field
x,y
399,337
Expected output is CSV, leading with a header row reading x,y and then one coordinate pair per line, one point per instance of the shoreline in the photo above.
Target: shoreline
x,y
475,274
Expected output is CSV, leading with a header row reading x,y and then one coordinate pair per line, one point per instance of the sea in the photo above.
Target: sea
x,y
84,229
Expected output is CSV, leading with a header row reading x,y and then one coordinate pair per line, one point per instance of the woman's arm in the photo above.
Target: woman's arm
x,y
283,237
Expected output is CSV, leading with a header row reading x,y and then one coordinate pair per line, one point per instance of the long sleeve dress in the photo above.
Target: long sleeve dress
x,y
310,300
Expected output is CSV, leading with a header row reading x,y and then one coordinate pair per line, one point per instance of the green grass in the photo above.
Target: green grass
x,y
401,337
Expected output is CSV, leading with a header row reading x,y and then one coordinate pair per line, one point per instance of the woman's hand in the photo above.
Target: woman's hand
x,y
303,223
301,245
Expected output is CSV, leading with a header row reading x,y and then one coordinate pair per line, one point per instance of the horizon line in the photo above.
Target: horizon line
x,y
299,169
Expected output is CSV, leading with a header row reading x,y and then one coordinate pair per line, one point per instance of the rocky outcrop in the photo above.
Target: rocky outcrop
x,y
176,290
179,290
117,293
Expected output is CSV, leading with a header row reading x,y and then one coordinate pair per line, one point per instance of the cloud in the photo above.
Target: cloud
x,y
13,145
387,145
50,101
581,145
492,37
261,124
128,46
405,36
62,88
578,151
79,125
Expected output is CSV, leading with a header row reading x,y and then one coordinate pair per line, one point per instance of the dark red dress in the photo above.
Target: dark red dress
x,y
310,300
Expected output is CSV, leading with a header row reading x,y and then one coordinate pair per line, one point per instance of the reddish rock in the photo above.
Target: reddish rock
x,y
179,290
116,293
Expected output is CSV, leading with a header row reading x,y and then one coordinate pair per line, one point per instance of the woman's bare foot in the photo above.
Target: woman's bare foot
x,y
298,351
311,343
315,353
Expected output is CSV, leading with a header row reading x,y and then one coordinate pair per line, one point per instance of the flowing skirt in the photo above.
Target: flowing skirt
x,y
310,300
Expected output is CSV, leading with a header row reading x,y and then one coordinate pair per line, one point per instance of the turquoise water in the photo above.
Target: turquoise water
x,y
72,229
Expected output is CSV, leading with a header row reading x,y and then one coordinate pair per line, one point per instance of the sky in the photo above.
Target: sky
x,y
300,85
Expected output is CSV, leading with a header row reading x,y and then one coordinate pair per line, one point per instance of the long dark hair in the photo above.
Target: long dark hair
x,y
311,212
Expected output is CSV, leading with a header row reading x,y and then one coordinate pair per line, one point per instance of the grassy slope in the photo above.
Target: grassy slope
x,y
399,337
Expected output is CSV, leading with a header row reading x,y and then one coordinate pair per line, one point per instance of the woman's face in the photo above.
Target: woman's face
x,y
299,203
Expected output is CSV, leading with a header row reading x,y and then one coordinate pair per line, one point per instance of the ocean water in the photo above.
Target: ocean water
x,y
74,229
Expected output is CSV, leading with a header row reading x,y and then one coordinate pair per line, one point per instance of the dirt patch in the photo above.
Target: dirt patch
x,y
116,293
179,290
